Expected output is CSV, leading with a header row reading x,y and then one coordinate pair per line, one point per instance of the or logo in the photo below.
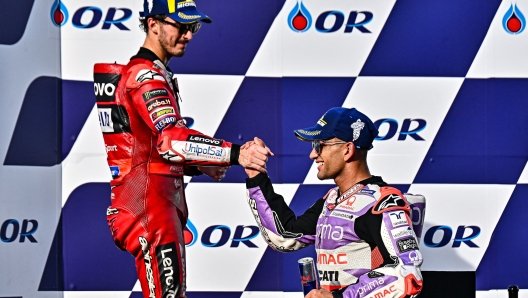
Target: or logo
x,y
11,230
513,21
222,233
448,234
405,130
90,16
204,140
339,20
299,18
59,13
154,93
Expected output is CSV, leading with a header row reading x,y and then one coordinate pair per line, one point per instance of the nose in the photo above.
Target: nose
x,y
188,35
313,154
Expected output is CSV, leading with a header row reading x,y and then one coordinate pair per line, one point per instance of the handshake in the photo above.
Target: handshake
x,y
253,157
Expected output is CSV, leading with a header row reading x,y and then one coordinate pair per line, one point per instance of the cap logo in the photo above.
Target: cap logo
x,y
321,122
357,127
150,5
172,5
186,4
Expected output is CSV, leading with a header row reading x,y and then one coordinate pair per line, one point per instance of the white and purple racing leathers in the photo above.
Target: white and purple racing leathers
x,y
364,238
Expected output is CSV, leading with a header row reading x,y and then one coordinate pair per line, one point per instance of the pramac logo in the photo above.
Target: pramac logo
x,y
299,18
513,21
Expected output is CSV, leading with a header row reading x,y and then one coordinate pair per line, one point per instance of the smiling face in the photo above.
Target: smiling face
x,y
330,161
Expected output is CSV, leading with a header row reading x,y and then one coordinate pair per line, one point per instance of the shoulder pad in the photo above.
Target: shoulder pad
x,y
143,73
390,199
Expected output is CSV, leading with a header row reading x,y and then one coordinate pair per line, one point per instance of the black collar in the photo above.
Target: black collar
x,y
373,180
145,53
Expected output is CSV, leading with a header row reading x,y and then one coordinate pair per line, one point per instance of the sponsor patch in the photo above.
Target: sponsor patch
x,y
405,245
164,122
375,274
114,170
147,75
154,93
158,103
398,218
105,86
147,258
111,211
169,270
204,140
113,119
343,215
160,113
112,148
390,201
402,232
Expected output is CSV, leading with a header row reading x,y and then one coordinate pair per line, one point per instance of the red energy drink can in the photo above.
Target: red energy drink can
x,y
308,275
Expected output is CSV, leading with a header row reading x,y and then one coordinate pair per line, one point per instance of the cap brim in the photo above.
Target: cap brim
x,y
312,133
190,16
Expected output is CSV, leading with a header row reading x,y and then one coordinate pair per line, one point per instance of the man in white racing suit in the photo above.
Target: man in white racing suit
x,y
362,230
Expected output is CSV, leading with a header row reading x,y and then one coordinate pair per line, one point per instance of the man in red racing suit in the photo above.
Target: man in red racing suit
x,y
150,149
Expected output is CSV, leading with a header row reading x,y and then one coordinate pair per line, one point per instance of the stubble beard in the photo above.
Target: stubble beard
x,y
171,50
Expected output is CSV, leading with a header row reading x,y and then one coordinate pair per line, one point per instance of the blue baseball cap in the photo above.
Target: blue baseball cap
x,y
349,125
182,11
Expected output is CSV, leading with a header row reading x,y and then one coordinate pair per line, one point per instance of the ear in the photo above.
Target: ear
x,y
154,26
349,152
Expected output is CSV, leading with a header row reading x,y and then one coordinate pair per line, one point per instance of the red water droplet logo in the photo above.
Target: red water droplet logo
x,y
299,18
58,16
59,13
513,21
514,24
299,21
187,236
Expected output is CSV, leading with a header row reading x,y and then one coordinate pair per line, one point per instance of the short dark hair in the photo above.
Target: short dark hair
x,y
143,22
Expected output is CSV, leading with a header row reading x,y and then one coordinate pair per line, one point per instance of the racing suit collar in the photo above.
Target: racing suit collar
x,y
373,180
145,53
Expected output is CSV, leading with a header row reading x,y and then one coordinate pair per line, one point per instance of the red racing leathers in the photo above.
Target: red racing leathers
x,y
149,150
